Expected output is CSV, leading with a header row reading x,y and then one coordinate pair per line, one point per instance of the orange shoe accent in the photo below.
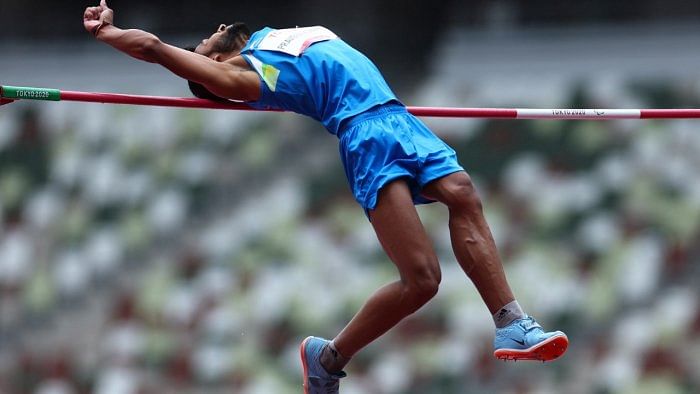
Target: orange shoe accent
x,y
302,353
547,350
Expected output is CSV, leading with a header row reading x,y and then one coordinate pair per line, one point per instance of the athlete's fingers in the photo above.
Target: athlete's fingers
x,y
89,13
103,4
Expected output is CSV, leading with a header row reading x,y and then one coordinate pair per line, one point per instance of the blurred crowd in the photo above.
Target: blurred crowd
x,y
156,250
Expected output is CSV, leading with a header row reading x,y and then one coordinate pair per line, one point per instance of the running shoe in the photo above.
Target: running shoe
x,y
316,379
524,339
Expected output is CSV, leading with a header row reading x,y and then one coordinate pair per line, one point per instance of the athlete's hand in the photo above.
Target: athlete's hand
x,y
95,18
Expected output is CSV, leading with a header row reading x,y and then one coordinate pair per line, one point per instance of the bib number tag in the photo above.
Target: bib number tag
x,y
295,41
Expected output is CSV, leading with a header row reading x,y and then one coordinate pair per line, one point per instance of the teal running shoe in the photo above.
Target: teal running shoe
x,y
316,379
524,339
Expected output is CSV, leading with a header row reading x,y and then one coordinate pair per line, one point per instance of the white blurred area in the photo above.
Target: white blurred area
x,y
147,250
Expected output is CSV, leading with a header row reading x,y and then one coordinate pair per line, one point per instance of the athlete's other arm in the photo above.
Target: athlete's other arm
x,y
224,79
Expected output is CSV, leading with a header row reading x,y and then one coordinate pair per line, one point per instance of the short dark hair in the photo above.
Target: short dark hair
x,y
236,36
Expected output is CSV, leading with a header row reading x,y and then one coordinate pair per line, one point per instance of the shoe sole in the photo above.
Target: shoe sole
x,y
547,350
302,353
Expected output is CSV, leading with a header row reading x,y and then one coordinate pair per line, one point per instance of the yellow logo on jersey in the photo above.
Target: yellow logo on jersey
x,y
267,72
270,75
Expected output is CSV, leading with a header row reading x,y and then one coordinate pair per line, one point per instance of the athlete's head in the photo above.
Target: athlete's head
x,y
225,43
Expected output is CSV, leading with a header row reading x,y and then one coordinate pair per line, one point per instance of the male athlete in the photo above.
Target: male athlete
x,y
392,162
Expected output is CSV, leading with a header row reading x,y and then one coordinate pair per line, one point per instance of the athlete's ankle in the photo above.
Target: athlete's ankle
x,y
331,359
507,314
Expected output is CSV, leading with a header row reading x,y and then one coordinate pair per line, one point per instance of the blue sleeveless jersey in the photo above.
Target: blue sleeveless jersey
x,y
329,81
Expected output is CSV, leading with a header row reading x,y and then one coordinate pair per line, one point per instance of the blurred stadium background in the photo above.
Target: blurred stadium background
x,y
147,250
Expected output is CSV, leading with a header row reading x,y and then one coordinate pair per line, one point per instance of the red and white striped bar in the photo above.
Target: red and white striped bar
x,y
556,114
12,93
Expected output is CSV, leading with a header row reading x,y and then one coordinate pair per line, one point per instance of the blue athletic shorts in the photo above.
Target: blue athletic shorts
x,y
386,143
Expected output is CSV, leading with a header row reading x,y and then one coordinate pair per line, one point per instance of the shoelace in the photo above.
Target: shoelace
x,y
529,324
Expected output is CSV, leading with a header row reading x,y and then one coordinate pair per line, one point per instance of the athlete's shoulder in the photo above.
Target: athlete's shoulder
x,y
258,36
268,29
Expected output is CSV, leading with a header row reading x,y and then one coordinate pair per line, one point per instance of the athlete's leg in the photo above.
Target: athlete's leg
x,y
403,237
518,337
471,238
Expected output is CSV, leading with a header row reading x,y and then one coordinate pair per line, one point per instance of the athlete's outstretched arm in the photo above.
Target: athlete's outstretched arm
x,y
223,79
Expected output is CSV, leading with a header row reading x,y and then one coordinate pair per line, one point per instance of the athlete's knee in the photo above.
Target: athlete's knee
x,y
460,194
422,284
426,286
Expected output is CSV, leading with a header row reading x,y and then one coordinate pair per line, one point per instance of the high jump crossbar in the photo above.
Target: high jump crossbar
x,y
9,94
